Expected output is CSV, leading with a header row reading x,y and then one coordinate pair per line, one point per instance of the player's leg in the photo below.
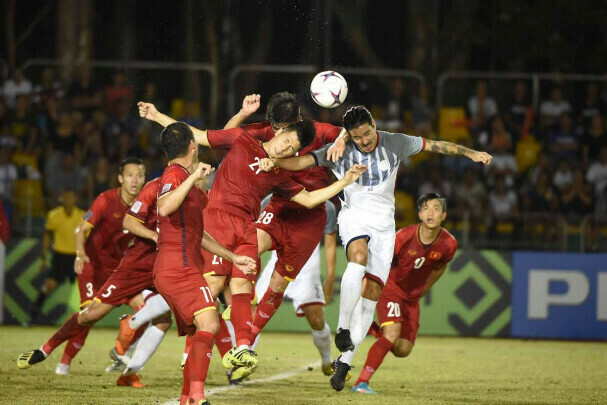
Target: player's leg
x,y
149,342
62,269
207,325
351,287
321,334
50,285
241,318
95,311
269,303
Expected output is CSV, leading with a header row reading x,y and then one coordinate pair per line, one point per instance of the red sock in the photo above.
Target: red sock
x,y
73,346
223,341
376,355
266,309
69,329
188,345
241,318
185,389
199,359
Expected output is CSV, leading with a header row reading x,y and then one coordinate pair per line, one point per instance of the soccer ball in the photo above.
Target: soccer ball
x,y
328,89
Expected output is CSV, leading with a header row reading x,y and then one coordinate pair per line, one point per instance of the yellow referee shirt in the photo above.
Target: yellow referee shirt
x,y
63,229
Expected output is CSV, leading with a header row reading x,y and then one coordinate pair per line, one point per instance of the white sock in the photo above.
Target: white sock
x,y
255,343
322,341
361,321
351,287
148,344
153,308
232,332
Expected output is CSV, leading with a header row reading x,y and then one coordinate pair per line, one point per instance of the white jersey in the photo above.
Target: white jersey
x,y
373,194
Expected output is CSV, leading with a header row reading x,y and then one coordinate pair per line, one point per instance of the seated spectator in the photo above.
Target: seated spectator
x,y
456,165
496,135
593,140
21,125
84,94
481,107
67,173
117,91
503,164
192,115
436,183
421,113
61,135
470,195
542,197
563,176
564,142
47,89
542,164
591,107
17,85
517,110
8,175
99,179
396,107
117,125
577,198
552,110
502,202
597,173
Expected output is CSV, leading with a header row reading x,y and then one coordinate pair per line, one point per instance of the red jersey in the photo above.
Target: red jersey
x,y
413,262
108,240
180,234
240,184
141,253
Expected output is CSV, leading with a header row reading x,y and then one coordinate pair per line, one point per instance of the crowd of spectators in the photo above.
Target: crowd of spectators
x,y
552,161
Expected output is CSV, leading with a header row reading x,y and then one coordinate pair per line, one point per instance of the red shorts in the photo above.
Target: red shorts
x,y
233,232
90,282
391,309
295,234
187,293
124,284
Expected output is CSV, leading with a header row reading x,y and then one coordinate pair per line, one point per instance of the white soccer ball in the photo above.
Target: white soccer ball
x,y
329,89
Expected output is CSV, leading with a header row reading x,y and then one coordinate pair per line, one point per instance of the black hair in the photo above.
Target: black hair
x,y
431,196
176,138
283,108
357,116
305,132
129,161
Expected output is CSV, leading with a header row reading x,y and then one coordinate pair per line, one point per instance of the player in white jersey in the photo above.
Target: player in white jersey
x,y
307,291
366,221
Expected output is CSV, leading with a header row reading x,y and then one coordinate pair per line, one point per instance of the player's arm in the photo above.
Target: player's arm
x,y
46,245
449,148
330,260
433,278
293,163
170,202
250,105
149,111
138,228
313,198
80,236
244,263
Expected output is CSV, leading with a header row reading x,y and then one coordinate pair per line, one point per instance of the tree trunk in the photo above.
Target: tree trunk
x,y
75,35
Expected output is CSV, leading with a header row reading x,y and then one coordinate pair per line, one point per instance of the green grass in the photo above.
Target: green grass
x,y
439,371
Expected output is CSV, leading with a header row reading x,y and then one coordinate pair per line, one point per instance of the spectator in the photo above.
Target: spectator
x,y
543,196
396,107
83,94
592,107
99,179
456,165
502,202
551,110
503,164
593,140
115,127
47,89
577,198
67,173
117,91
470,195
62,136
597,173
481,107
18,85
192,114
21,125
148,129
518,108
564,142
497,135
563,176
421,113
8,175
436,184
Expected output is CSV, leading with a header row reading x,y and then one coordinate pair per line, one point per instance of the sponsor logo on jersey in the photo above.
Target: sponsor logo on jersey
x,y
370,369
117,215
435,255
166,188
289,267
264,315
412,252
136,207
88,215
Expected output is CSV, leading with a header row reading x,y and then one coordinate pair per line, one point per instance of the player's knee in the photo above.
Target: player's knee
x,y
358,257
316,322
163,322
87,318
372,290
402,348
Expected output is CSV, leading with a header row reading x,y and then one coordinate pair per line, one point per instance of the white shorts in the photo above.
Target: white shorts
x,y
380,243
305,290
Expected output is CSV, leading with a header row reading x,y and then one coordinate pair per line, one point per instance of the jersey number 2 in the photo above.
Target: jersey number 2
x,y
265,218
393,309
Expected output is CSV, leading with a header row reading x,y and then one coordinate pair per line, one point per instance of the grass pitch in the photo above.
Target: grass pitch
x,y
439,371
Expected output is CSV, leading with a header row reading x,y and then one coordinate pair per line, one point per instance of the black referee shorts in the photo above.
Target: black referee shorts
x,y
62,268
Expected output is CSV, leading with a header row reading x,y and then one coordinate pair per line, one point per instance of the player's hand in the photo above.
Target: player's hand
x,y
245,264
203,170
336,151
147,111
250,104
327,289
354,173
482,157
267,164
79,262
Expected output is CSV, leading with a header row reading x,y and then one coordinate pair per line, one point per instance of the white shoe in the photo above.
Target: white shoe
x,y
116,366
62,369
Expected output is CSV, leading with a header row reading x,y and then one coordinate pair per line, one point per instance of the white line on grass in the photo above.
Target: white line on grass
x,y
271,378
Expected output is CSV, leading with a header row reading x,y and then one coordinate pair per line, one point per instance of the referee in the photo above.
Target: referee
x,y
61,223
